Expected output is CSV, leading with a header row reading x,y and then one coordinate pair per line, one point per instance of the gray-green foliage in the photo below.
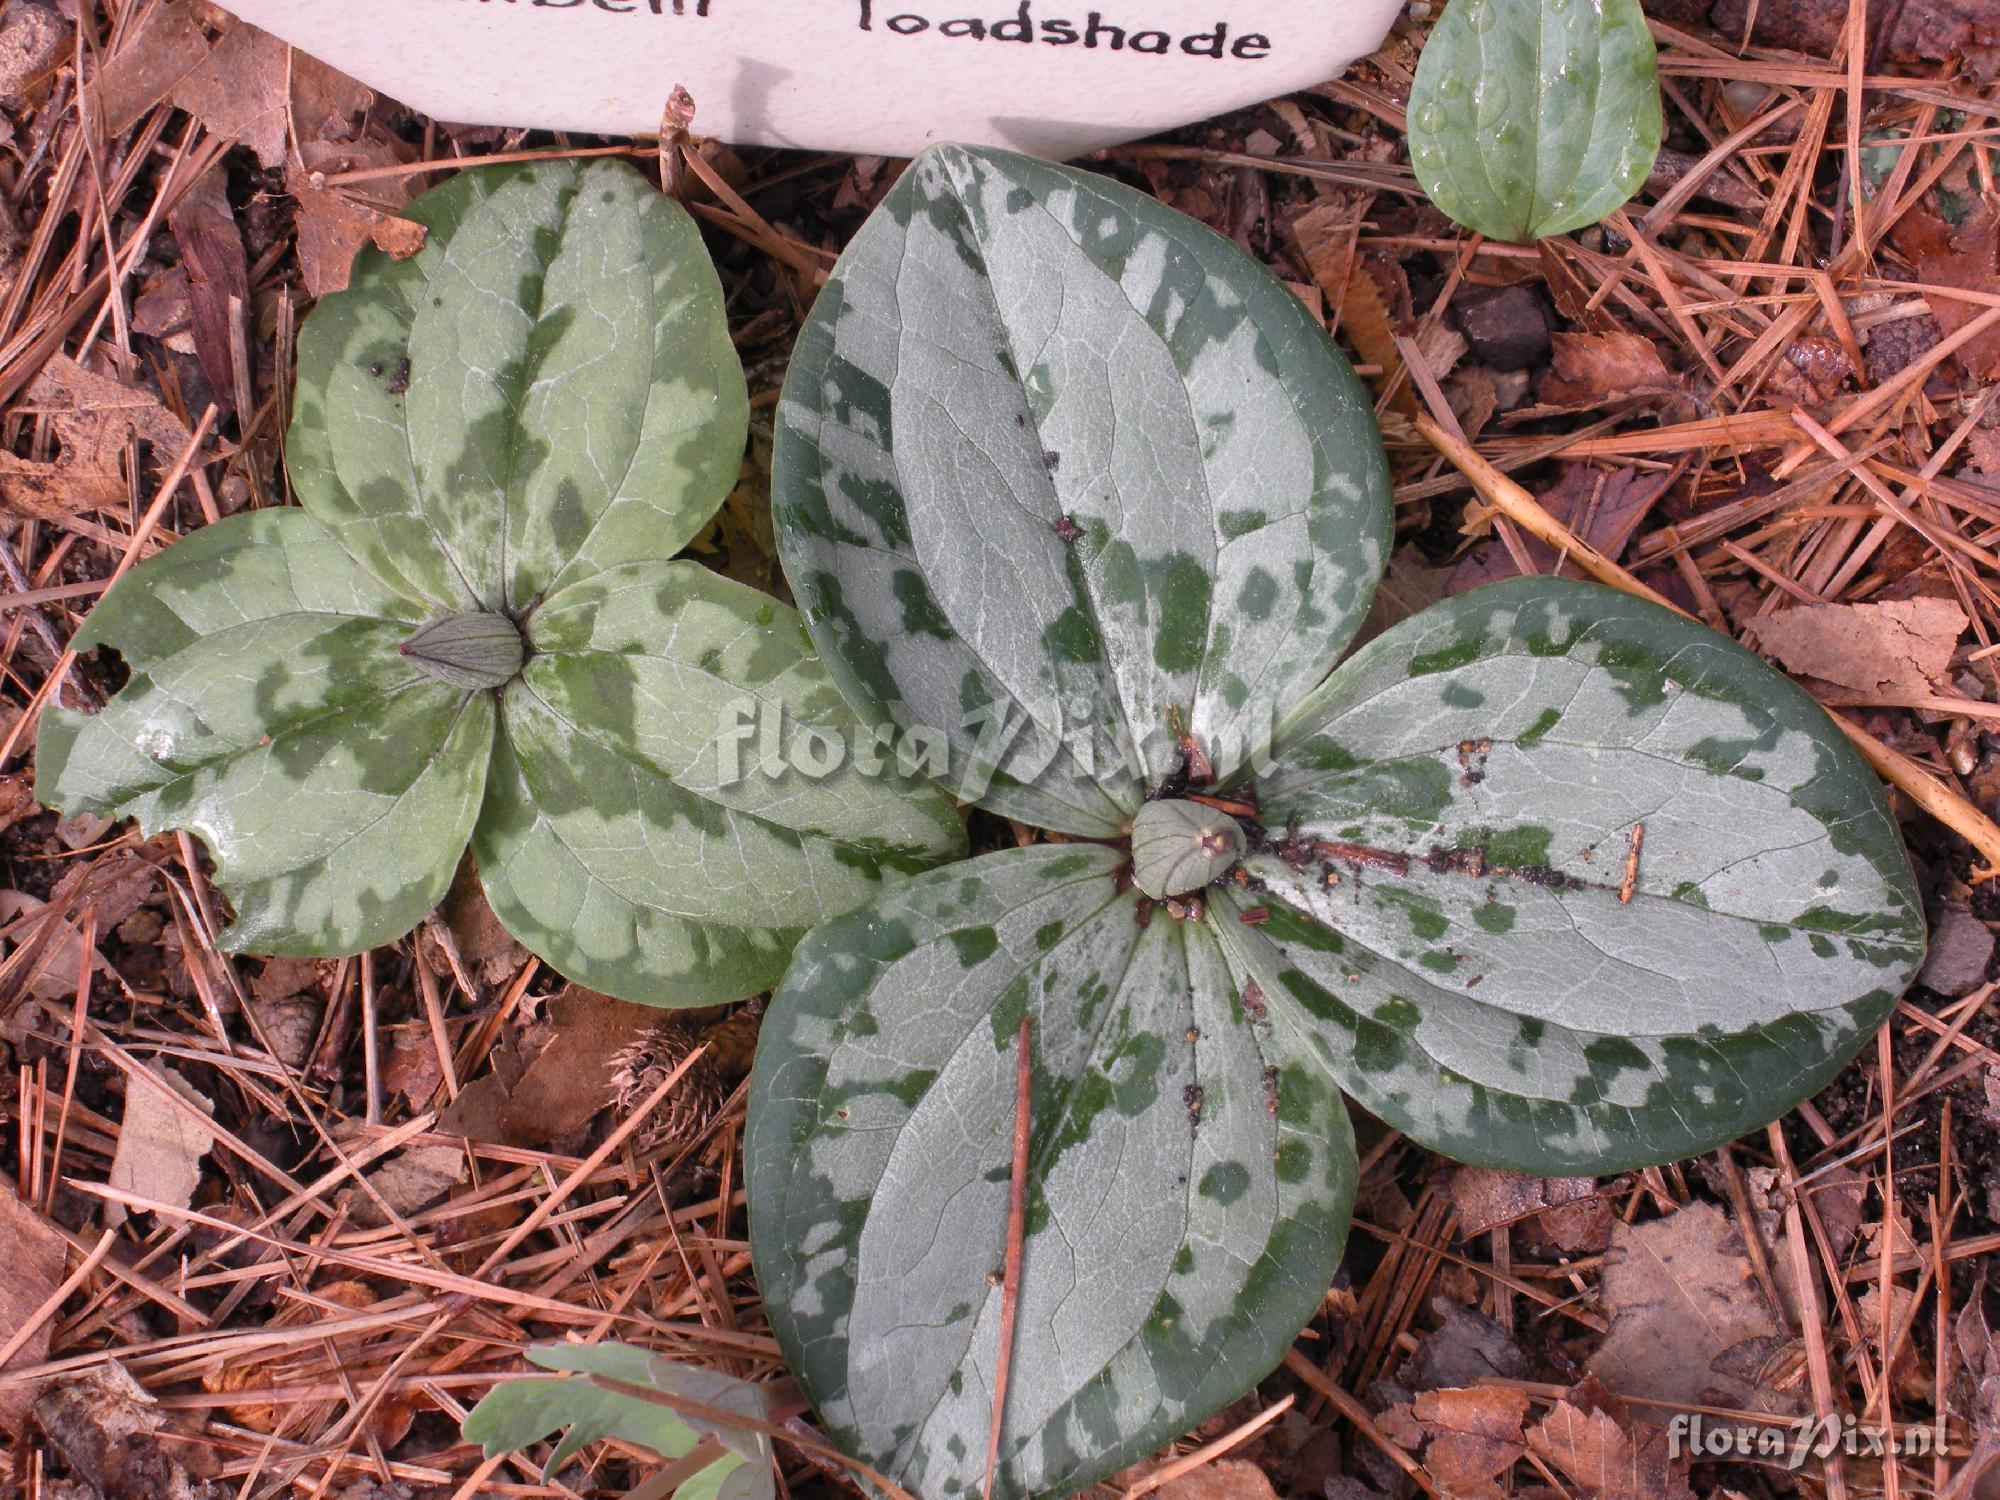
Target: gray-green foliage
x,y
516,1413
471,633
1070,482
1535,117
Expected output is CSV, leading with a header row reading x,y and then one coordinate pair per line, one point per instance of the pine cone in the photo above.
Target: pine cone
x,y
690,1106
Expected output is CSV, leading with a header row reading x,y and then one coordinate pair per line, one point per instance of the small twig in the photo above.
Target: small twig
x,y
371,1044
1360,1416
1631,881
1208,1453
461,163
1017,1228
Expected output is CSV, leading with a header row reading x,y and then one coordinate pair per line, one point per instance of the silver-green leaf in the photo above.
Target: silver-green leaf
x,y
1062,476
1570,883
664,815
499,445
270,712
546,389
1531,118
1190,1173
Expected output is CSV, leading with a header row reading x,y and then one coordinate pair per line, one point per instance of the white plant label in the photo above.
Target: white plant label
x,y
884,77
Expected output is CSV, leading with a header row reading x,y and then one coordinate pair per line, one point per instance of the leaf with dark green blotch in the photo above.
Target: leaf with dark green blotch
x,y
637,832
1501,907
1043,435
269,712
473,632
1531,118
545,390
1188,1189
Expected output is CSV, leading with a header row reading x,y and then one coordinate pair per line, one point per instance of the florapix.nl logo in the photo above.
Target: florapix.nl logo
x,y
1791,1445
994,741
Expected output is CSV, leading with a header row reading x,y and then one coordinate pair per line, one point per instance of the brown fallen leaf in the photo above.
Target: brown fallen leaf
x,y
571,1078
1326,235
239,92
17,800
1466,1348
1893,649
160,1144
1605,1460
160,311
255,90
411,1067
1570,1210
94,417
1968,258
163,47
1911,1377
1366,318
1983,444
1411,585
408,1183
1680,1296
1475,1438
486,948
333,227
1974,1394
1225,1479
1598,369
1604,508
35,1259
1487,1199
218,285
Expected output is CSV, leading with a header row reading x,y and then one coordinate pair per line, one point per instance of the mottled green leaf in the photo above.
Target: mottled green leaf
x,y
1535,117
635,833
1191,1169
499,444
516,1413
547,389
1062,475
1465,794
269,712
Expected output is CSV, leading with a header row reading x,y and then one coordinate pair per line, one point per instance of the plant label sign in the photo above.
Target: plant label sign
x,y
885,77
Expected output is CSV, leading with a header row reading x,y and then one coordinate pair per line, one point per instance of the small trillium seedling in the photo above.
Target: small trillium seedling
x,y
1535,117
517,1413
470,631
1071,480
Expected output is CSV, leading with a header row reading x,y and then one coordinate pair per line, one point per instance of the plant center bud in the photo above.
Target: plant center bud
x,y
1179,847
477,650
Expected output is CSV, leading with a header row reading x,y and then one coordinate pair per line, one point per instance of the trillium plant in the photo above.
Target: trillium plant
x,y
1535,117
470,632
1547,877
